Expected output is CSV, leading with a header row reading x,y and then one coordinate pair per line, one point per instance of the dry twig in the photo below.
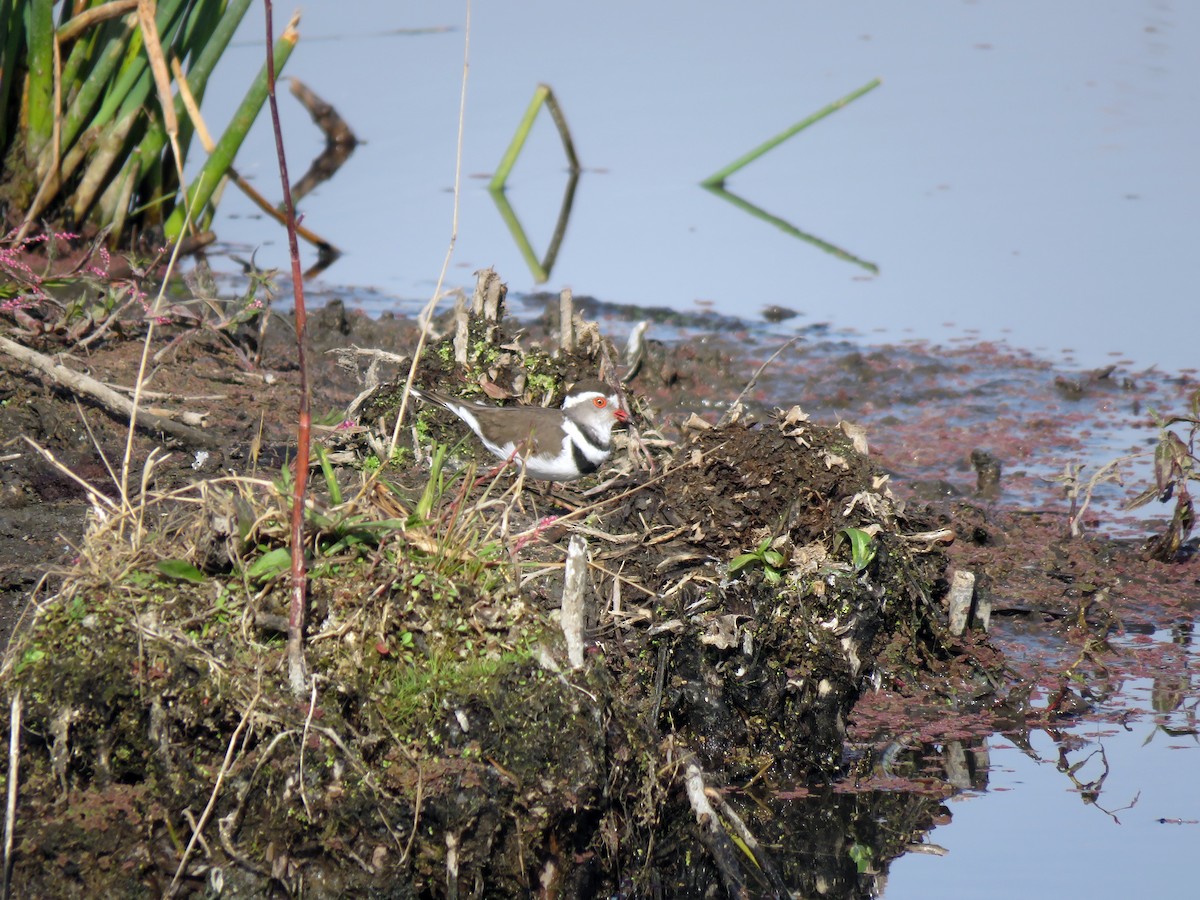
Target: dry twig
x,y
78,383
14,768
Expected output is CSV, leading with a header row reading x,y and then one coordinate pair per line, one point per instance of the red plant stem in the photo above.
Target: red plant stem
x,y
295,645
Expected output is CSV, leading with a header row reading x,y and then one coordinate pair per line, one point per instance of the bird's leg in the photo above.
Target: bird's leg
x,y
496,470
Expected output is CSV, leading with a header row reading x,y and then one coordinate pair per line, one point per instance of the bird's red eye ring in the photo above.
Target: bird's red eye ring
x,y
600,402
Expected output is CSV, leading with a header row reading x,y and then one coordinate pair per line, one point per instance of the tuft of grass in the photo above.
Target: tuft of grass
x,y
771,561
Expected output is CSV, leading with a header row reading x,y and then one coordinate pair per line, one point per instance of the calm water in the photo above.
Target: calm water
x,y
1034,832
1034,835
1025,172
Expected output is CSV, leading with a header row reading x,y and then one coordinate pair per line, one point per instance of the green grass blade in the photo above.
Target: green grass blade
x,y
169,21
115,201
112,51
331,482
213,47
197,75
95,176
202,24
136,81
433,487
83,51
202,19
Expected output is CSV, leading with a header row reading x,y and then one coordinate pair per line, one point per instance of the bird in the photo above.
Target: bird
x,y
550,444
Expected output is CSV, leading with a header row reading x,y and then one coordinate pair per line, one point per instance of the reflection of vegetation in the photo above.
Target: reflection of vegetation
x,y
716,181
80,136
788,228
543,96
540,268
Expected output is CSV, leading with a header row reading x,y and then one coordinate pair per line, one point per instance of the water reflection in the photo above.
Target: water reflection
x,y
789,228
539,268
1123,753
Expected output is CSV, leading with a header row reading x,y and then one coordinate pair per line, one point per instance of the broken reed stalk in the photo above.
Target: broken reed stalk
x,y
574,613
297,669
962,592
218,163
718,178
209,145
566,321
541,95
712,835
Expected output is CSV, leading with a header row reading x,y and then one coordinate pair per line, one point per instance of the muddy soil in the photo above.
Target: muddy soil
x,y
248,410
1027,568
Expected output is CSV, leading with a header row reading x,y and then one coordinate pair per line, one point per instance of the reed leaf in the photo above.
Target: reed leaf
x,y
132,85
107,150
221,159
210,52
98,78
203,29
83,50
39,26
12,32
114,202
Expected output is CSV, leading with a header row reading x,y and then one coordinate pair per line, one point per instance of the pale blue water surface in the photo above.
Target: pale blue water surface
x,y
1026,168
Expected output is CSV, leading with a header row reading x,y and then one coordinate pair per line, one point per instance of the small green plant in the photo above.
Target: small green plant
x,y
862,856
771,560
331,482
862,547
180,570
270,564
